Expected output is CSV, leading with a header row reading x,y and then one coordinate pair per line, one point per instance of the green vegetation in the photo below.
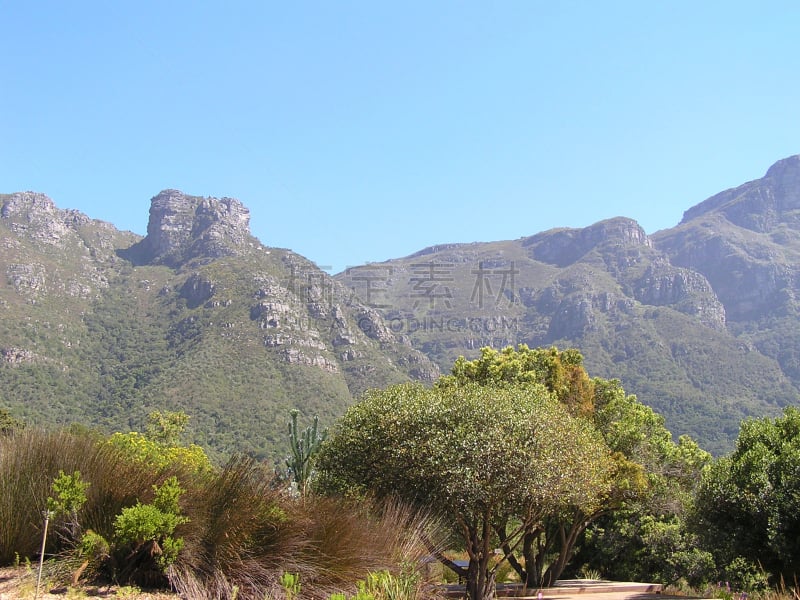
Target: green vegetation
x,y
477,455
518,461
486,447
304,447
748,505
91,335
8,423
210,533
148,529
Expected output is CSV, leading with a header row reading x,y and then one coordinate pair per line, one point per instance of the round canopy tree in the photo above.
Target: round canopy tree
x,y
748,505
480,455
648,466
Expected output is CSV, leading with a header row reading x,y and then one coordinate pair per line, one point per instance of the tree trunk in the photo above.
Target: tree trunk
x,y
480,581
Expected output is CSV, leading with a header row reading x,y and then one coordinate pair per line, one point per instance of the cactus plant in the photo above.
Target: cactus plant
x,y
304,445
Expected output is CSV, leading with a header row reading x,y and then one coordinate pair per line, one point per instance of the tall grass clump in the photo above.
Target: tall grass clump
x,y
347,541
236,534
238,538
245,535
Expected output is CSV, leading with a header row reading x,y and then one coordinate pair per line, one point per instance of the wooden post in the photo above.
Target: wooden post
x,y
41,554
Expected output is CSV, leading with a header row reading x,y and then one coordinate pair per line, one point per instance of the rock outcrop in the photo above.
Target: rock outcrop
x,y
760,205
746,242
563,247
182,228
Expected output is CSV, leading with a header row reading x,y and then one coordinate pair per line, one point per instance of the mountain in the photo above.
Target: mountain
x,y
699,321
100,326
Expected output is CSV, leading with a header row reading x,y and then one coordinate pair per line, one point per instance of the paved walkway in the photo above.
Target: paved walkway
x,y
579,589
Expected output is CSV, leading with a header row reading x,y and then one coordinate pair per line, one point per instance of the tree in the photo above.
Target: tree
x,y
748,505
644,537
481,455
561,372
647,468
548,542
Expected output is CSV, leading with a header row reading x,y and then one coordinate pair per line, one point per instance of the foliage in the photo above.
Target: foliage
x,y
478,454
149,452
166,428
160,447
70,496
153,525
70,491
652,478
644,537
383,585
290,582
748,504
560,372
9,423
638,546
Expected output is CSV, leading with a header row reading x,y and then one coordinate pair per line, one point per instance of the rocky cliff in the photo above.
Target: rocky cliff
x,y
183,228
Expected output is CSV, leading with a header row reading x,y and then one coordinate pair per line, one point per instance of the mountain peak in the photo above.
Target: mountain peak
x,y
35,216
565,246
182,227
758,205
787,166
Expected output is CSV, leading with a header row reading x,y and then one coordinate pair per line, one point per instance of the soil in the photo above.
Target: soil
x,y
19,583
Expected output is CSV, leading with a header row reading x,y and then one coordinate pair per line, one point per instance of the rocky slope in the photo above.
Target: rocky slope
x,y
100,326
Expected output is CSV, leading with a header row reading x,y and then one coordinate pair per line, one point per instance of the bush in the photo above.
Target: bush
x,y
149,528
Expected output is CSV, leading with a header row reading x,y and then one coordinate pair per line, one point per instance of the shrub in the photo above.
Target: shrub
x,y
148,529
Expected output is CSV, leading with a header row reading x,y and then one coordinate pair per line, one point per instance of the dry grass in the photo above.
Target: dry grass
x,y
244,535
31,459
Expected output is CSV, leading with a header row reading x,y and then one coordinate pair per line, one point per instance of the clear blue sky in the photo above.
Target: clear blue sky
x,y
362,131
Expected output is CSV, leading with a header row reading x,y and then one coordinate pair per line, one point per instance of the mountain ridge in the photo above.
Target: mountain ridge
x,y
654,310
99,326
